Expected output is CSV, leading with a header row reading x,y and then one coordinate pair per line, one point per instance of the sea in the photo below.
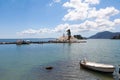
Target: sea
x,y
28,62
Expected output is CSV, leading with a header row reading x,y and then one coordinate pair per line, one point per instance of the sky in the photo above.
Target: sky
x,y
51,18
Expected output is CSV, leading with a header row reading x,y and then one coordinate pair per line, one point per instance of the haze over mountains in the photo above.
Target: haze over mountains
x,y
104,35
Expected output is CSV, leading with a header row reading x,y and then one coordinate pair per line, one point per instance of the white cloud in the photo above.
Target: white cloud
x,y
117,21
81,9
53,2
92,1
33,31
76,10
97,25
93,19
56,1
61,28
103,13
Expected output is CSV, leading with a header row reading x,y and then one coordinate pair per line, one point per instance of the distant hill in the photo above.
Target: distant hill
x,y
104,35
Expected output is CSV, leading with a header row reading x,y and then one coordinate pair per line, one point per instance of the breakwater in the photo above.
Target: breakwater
x,y
41,42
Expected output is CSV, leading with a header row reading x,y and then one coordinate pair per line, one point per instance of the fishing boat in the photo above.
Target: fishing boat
x,y
97,66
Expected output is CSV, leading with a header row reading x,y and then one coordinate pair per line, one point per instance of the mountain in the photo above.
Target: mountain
x,y
104,35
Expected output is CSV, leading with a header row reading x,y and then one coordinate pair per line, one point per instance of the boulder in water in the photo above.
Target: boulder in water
x,y
49,68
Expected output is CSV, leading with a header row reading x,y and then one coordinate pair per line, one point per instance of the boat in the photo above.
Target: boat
x,y
97,66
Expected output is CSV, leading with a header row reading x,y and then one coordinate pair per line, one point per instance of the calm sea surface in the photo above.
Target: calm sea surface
x,y
28,62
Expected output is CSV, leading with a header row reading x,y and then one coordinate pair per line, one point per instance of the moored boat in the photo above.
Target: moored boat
x,y
97,66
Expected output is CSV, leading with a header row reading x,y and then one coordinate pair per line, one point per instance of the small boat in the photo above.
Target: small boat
x,y
97,66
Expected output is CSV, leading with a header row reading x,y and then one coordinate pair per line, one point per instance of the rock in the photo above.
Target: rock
x,y
65,38
49,68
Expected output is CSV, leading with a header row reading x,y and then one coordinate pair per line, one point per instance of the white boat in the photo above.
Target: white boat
x,y
97,66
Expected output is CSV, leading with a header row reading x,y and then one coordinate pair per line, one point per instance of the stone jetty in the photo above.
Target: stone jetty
x,y
63,39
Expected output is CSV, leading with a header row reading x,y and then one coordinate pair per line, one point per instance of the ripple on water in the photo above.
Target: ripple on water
x,y
3,72
61,71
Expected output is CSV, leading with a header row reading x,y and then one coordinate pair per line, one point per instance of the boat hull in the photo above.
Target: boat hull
x,y
97,66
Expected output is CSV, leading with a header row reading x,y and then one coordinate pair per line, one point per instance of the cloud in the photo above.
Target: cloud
x,y
92,19
53,2
85,11
82,9
56,1
97,25
103,13
92,1
33,31
117,21
76,10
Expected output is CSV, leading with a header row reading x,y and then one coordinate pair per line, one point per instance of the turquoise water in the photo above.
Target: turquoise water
x,y
28,62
